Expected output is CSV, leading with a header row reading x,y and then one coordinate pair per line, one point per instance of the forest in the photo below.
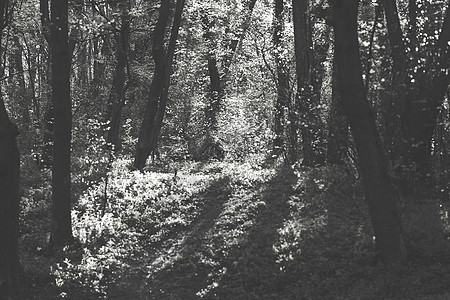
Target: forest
x,y
224,149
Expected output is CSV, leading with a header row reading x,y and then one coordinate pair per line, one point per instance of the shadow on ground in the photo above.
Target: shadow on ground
x,y
186,275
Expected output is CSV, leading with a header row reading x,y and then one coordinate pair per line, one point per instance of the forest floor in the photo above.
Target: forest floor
x,y
220,230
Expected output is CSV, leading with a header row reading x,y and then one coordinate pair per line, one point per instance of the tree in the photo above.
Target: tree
x,y
158,94
337,125
283,86
371,159
116,99
9,188
62,130
421,82
420,94
303,114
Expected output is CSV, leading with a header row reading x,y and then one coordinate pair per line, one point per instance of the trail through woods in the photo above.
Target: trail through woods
x,y
231,238
221,230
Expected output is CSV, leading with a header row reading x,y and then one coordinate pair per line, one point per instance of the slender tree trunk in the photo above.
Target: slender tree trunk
x,y
143,147
304,97
239,36
168,65
283,95
372,161
18,78
116,100
62,131
215,94
337,125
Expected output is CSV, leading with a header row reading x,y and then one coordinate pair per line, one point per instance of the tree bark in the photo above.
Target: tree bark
x,y
337,125
168,65
9,204
10,269
62,131
116,100
283,88
143,147
305,98
371,159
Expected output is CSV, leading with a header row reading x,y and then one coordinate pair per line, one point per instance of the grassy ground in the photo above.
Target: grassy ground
x,y
220,231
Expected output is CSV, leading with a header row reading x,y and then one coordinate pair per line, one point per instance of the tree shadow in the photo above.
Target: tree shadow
x,y
184,275
252,271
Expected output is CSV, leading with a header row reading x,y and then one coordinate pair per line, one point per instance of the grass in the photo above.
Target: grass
x,y
220,230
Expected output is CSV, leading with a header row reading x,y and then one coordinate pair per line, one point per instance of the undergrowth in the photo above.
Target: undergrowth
x,y
219,230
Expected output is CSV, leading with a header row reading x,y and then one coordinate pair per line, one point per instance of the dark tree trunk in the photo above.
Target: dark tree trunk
x,y
9,203
62,131
283,95
32,66
168,65
99,65
372,162
10,269
143,147
18,78
116,100
420,100
337,125
215,94
304,100
239,36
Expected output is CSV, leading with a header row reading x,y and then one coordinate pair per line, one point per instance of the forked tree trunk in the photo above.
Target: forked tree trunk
x,y
371,159
168,64
143,147
419,100
62,131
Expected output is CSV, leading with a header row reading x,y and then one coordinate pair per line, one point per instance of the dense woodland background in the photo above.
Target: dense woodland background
x,y
224,149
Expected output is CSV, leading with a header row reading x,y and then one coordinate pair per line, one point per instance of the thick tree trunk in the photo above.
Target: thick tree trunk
x,y
62,131
10,270
116,100
9,204
372,162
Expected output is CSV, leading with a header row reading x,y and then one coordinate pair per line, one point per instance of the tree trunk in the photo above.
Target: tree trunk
x,y
10,269
420,99
239,36
337,125
168,65
305,98
283,88
143,147
116,99
372,162
9,203
62,131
